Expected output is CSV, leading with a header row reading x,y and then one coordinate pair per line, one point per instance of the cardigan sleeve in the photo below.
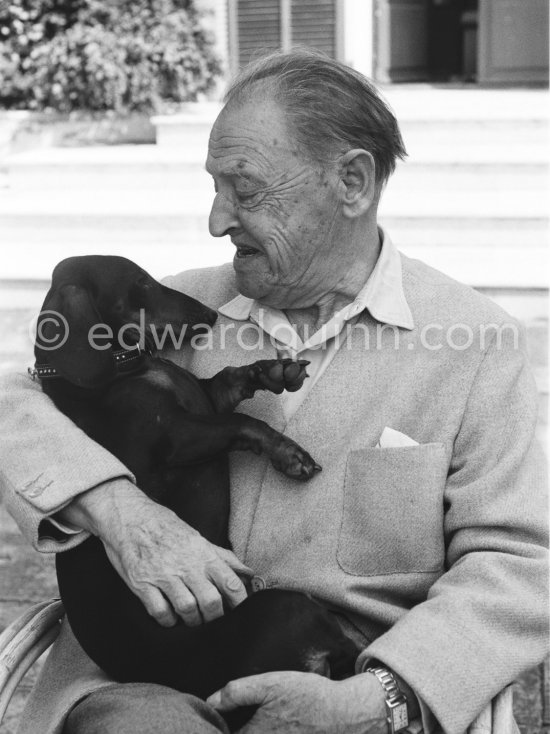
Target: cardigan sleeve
x,y
45,462
485,620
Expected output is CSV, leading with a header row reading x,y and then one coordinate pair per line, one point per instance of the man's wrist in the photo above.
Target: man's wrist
x,y
364,661
397,710
367,700
95,509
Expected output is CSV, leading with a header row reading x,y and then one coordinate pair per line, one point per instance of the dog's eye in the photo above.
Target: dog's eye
x,y
139,292
143,281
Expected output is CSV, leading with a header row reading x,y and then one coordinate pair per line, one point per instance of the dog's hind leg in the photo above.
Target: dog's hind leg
x,y
202,437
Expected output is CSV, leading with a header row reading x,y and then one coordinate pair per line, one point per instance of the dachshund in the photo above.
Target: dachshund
x,y
180,460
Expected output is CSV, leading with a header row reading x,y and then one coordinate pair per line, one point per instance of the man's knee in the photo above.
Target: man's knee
x,y
142,708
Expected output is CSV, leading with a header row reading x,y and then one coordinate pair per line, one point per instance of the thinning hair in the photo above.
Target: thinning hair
x,y
331,108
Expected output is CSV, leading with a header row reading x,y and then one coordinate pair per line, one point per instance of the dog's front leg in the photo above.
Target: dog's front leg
x,y
199,438
234,384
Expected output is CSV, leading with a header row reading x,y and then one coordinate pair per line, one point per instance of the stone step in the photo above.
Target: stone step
x,y
508,267
492,125
487,234
468,153
423,101
441,176
472,204
518,146
427,103
416,108
497,267
20,301
498,135
106,158
88,234
182,177
32,206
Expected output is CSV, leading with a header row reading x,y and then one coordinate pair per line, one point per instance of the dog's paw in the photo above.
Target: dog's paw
x,y
294,461
277,375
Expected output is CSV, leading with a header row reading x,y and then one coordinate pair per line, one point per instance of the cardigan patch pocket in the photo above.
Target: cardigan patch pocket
x,y
392,520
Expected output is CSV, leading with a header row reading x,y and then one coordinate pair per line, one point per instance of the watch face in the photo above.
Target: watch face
x,y
400,718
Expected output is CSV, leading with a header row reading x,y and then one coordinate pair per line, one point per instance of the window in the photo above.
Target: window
x,y
258,27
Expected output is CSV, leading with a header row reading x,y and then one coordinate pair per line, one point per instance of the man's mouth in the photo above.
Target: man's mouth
x,y
245,251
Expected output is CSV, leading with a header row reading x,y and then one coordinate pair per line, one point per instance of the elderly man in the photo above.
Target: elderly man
x,y
425,532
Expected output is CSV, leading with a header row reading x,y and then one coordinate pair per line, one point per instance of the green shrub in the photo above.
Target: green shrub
x,y
123,55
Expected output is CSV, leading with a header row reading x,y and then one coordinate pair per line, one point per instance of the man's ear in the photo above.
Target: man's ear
x,y
357,182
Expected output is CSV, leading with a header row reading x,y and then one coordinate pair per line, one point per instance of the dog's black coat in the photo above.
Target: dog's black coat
x,y
173,431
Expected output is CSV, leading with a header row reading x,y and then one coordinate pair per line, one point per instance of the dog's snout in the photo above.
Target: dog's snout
x,y
211,317
206,321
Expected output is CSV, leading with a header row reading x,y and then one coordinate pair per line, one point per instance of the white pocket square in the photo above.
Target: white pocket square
x,y
391,438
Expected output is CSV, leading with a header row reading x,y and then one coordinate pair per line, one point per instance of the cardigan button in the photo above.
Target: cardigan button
x,y
257,583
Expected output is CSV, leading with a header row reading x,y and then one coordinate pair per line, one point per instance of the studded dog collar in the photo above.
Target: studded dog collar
x,y
125,361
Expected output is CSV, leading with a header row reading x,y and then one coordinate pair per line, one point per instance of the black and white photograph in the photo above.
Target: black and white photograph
x,y
274,367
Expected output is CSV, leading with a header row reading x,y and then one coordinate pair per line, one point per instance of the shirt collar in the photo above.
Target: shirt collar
x,y
382,295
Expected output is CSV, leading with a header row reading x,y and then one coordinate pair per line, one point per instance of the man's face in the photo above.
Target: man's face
x,y
280,210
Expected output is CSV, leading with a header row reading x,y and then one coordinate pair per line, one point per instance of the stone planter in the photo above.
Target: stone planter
x,y
21,130
10,122
190,126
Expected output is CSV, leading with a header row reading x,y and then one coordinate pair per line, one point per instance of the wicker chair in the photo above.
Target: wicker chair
x,y
22,643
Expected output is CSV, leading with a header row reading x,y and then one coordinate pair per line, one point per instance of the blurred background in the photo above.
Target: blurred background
x,y
105,110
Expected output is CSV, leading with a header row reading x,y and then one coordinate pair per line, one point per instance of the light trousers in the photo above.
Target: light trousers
x,y
143,708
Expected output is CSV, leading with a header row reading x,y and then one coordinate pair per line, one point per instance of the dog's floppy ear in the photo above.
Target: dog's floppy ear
x,y
63,337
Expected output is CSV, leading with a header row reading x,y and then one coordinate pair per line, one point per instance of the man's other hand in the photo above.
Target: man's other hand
x,y
164,561
306,702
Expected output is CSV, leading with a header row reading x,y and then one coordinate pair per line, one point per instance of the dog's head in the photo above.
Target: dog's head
x,y
98,304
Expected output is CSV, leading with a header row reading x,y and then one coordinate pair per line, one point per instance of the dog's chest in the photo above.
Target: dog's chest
x,y
186,389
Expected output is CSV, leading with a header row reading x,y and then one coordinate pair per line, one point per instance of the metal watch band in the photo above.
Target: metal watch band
x,y
397,714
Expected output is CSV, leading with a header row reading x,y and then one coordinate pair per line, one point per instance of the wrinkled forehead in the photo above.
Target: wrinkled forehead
x,y
254,132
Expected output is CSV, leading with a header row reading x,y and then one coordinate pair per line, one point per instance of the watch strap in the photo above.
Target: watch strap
x,y
397,714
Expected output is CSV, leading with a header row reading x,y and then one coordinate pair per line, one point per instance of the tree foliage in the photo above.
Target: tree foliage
x,y
121,55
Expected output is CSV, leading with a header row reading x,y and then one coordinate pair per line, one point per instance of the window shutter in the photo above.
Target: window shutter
x,y
314,24
258,24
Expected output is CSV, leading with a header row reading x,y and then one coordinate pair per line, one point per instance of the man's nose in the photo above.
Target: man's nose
x,y
223,216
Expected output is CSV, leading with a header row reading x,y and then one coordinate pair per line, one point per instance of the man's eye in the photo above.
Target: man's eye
x,y
246,196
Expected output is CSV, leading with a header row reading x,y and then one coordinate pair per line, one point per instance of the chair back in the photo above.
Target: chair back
x,y
23,642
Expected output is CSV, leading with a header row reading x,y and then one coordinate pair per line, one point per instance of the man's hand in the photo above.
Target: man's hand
x,y
306,702
164,561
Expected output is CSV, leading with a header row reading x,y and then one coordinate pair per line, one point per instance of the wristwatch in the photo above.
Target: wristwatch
x,y
397,714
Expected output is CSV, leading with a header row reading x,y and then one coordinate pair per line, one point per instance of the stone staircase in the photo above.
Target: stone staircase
x,y
475,184
472,199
